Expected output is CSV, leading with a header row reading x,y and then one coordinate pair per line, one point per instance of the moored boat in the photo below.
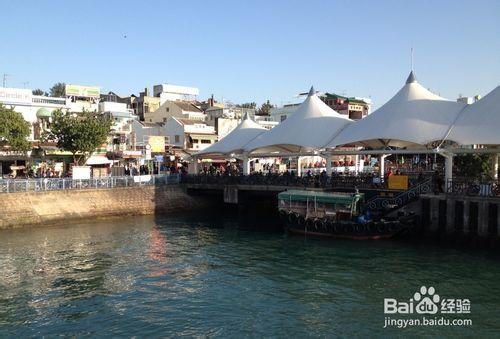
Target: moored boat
x,y
336,215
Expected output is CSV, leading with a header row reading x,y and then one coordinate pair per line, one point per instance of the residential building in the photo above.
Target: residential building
x,y
121,130
113,97
177,109
141,131
354,107
144,103
468,100
190,135
280,114
168,92
233,112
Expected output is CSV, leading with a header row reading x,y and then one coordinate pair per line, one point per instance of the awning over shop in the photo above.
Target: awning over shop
x,y
98,160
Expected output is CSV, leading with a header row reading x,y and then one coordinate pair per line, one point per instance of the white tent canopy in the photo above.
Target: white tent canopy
x,y
310,127
414,117
479,123
235,141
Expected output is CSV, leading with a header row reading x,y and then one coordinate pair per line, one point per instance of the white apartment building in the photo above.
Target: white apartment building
x,y
191,135
168,92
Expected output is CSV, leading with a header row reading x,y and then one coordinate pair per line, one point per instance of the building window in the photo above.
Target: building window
x,y
195,141
167,109
164,119
204,141
177,138
283,118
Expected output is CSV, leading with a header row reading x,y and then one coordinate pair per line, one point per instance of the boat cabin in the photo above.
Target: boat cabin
x,y
317,204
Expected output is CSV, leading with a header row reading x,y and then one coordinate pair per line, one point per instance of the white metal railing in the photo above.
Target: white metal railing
x,y
56,184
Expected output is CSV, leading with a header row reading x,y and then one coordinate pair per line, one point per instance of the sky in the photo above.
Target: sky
x,y
246,51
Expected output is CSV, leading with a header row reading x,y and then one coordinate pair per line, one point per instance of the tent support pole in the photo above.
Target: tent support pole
x,y
328,159
246,164
381,165
494,166
299,169
448,170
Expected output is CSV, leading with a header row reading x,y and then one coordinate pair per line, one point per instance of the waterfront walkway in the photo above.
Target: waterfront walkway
x,y
56,184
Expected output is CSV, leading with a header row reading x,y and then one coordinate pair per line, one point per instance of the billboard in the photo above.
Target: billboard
x,y
15,96
157,143
83,91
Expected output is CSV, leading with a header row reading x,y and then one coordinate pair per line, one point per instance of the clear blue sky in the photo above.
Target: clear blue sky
x,y
254,50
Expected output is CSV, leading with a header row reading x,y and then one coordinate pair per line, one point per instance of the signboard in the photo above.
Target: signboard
x,y
83,91
81,172
159,158
398,182
15,96
157,144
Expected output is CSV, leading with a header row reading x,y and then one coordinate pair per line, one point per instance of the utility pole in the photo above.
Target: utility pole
x,y
5,76
25,83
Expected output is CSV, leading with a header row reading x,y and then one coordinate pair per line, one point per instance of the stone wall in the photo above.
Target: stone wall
x,y
41,208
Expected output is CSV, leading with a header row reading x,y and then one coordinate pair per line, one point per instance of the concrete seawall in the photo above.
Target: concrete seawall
x,y
42,208
461,218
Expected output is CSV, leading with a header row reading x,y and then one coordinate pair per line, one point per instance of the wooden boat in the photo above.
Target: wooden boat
x,y
335,215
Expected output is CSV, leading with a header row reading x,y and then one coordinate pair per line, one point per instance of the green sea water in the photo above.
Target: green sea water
x,y
184,276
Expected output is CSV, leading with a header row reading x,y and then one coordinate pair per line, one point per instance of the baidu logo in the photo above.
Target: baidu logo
x,y
428,309
426,301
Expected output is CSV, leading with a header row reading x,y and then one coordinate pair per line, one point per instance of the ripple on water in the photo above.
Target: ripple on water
x,y
141,276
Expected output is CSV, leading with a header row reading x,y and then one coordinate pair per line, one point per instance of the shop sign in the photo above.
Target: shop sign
x,y
15,95
157,143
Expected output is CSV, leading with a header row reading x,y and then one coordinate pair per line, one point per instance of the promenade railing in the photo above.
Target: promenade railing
x,y
317,181
56,184
472,187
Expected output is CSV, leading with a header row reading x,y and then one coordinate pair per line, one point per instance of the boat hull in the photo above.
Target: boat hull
x,y
373,230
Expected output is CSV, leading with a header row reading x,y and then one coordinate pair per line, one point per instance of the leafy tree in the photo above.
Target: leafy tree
x,y
265,109
473,166
248,105
39,91
14,130
79,134
58,90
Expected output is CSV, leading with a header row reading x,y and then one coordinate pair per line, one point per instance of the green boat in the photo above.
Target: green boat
x,y
336,215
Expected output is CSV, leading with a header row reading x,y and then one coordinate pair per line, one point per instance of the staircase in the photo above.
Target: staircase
x,y
389,204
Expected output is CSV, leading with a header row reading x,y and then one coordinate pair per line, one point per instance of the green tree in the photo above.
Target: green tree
x,y
58,90
248,105
79,134
265,109
14,130
473,166
39,91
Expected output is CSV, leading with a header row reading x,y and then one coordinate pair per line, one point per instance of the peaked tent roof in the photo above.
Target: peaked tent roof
x,y
413,117
479,123
310,127
235,141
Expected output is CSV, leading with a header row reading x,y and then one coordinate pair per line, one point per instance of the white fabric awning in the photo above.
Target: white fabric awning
x,y
98,160
412,118
479,123
235,141
310,127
